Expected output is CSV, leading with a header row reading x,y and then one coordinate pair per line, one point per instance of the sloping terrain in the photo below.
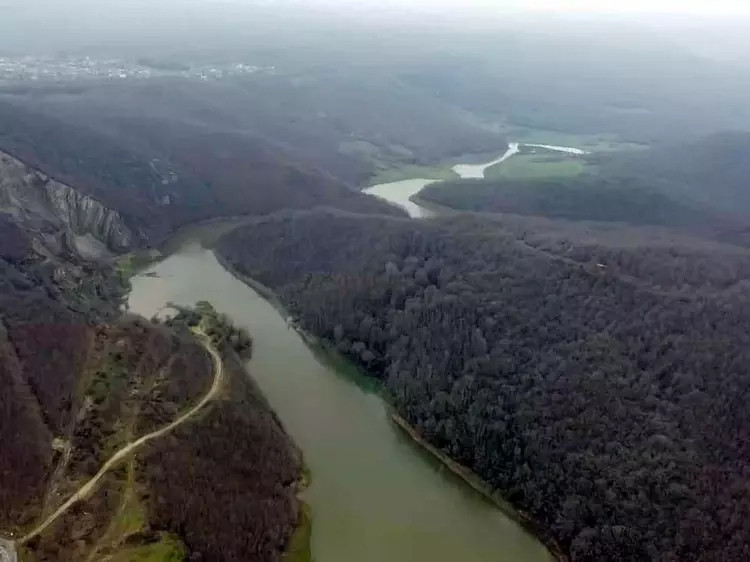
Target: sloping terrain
x,y
713,171
596,379
159,174
78,380
703,185
347,123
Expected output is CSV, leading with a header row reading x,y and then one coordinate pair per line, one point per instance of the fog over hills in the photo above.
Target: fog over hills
x,y
559,316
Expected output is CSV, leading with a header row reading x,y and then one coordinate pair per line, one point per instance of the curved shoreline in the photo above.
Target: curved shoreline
x,y
483,488
466,474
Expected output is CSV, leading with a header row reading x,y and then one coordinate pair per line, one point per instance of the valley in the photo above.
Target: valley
x,y
373,494
281,282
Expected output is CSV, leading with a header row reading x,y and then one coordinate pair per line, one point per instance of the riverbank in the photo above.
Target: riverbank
x,y
268,294
299,548
482,487
363,466
467,475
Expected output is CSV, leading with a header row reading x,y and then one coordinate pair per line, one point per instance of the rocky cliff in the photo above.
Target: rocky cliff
x,y
57,211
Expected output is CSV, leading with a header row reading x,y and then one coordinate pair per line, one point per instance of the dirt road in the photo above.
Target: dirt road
x,y
86,490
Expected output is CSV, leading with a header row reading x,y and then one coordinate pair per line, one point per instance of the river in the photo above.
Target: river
x,y
376,496
476,171
399,193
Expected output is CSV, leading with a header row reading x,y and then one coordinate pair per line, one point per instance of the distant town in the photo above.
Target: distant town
x,y
39,69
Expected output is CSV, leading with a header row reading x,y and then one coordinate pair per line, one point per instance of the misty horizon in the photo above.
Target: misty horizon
x,y
46,26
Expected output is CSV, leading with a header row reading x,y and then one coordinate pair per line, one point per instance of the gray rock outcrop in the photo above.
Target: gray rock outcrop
x,y
46,206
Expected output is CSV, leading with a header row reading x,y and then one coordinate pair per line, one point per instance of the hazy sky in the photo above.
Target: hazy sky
x,y
609,6
676,6
43,25
671,6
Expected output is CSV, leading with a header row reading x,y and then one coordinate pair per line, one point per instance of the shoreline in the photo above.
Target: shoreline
x,y
299,547
466,474
480,486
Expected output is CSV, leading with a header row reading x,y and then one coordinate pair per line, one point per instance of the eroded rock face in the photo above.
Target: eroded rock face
x,y
84,215
44,205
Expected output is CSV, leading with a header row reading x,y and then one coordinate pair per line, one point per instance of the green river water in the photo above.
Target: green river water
x,y
376,496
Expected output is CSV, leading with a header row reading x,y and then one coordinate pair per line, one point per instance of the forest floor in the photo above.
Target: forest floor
x,y
89,487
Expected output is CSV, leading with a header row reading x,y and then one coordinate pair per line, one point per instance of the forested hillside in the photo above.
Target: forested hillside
x,y
597,386
588,197
348,125
593,374
78,381
713,171
703,184
160,174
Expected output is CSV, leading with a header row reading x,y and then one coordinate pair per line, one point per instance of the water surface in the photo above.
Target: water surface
x,y
566,149
375,495
476,171
399,193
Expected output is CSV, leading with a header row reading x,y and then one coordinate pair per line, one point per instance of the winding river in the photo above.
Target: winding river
x,y
400,193
476,171
376,496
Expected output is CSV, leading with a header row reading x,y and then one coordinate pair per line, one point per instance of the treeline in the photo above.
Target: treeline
x,y
347,123
25,457
609,409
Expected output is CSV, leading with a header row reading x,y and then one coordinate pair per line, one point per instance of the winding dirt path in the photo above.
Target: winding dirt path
x,y
85,490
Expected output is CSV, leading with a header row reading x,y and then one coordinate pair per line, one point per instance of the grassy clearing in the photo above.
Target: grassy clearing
x,y
130,518
411,171
299,545
131,264
602,142
537,166
168,549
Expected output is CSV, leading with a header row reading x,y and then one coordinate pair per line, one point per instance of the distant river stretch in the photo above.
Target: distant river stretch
x,y
400,193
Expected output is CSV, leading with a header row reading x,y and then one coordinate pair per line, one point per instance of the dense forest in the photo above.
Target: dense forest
x,y
595,375
241,473
712,171
581,198
597,386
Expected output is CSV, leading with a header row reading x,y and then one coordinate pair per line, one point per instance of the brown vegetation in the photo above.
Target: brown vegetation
x,y
239,468
71,394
